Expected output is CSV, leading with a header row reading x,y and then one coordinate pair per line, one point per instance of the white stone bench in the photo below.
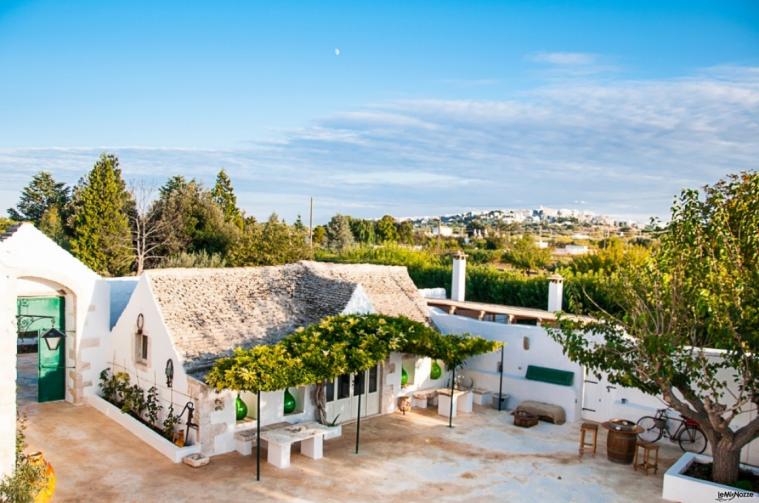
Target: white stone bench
x,y
310,435
482,397
244,441
421,399
462,402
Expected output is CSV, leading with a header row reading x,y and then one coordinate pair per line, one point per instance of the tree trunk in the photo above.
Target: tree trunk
x,y
726,461
320,395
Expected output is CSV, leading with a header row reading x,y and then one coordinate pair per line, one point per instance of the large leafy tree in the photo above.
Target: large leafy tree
x,y
527,254
363,230
406,232
101,236
271,243
386,230
192,220
41,194
699,290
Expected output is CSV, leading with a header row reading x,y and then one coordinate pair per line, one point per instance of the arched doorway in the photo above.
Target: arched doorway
x,y
41,323
45,324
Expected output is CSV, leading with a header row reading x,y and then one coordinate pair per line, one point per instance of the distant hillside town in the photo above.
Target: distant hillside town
x,y
484,223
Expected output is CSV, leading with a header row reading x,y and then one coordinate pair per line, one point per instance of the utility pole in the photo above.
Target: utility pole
x,y
311,224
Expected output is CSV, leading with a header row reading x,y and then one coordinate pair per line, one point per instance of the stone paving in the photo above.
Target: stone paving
x,y
415,457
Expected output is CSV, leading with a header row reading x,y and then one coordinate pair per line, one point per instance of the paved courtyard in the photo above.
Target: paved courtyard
x,y
415,457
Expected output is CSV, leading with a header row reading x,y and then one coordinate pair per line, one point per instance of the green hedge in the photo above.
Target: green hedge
x,y
487,284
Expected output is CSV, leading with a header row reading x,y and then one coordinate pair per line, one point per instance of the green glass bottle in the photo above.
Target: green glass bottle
x,y
435,371
404,377
289,402
241,409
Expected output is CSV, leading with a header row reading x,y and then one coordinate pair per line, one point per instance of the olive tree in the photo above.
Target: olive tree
x,y
699,290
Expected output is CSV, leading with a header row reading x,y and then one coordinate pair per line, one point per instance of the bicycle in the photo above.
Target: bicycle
x,y
688,434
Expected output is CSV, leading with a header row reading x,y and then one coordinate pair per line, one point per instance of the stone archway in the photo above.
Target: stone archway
x,y
33,295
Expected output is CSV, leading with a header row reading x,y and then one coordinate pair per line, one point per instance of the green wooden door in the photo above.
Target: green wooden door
x,y
38,315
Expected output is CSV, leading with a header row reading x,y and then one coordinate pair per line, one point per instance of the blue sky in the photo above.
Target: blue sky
x,y
429,108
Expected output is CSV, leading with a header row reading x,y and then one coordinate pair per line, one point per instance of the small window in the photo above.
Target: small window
x,y
373,374
343,386
330,390
142,346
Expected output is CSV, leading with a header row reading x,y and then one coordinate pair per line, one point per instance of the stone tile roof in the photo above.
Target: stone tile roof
x,y
209,312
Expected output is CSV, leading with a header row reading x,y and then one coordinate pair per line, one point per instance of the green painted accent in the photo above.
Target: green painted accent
x,y
435,371
241,409
549,375
404,377
51,382
289,402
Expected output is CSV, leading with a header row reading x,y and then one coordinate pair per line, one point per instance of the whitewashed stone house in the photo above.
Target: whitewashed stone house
x,y
192,317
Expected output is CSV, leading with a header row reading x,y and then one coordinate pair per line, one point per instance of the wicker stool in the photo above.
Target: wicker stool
x,y
648,462
588,428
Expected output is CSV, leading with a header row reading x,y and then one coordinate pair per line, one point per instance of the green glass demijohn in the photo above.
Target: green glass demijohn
x,y
241,409
404,377
435,371
289,402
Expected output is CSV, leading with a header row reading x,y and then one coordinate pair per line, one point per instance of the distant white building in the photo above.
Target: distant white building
x,y
442,230
572,250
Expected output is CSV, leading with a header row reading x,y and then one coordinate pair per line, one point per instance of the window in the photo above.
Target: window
x,y
343,386
330,391
358,384
141,349
373,374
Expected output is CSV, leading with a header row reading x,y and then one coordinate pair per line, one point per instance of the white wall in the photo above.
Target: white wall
x,y
589,397
543,351
40,266
7,372
118,352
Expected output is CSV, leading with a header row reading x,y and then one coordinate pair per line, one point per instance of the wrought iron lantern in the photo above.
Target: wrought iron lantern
x,y
53,338
169,373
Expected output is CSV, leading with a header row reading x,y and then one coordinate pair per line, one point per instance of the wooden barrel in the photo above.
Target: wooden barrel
x,y
620,443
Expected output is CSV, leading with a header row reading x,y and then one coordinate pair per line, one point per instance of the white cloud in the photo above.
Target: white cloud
x,y
624,147
564,58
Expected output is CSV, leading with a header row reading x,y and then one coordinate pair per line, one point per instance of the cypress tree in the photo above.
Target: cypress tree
x,y
99,221
224,195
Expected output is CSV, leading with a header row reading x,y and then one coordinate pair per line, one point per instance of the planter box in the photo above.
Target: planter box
x,y
139,430
679,487
333,431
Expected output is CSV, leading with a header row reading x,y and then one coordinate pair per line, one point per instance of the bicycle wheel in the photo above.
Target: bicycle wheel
x,y
692,439
651,429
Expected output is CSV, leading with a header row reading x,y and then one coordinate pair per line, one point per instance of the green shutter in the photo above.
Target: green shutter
x,y
549,375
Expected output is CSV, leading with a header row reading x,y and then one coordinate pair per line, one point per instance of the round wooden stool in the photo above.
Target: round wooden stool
x,y
647,462
588,428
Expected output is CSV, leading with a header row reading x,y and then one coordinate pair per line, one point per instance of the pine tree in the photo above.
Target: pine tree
x,y
42,193
100,223
224,195
298,224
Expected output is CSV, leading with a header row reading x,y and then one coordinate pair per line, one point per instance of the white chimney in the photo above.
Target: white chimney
x,y
555,292
458,283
